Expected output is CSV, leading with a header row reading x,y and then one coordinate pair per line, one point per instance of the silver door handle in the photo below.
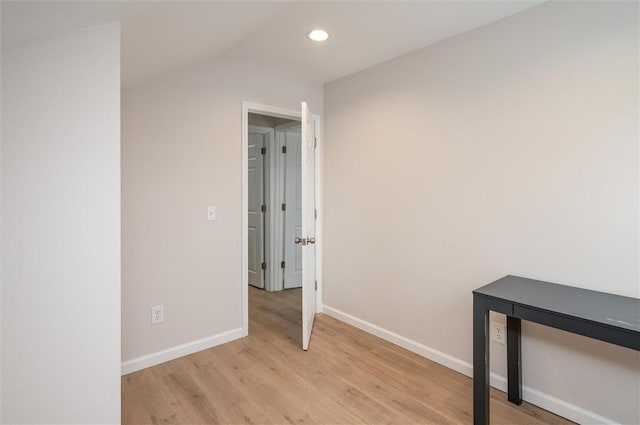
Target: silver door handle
x,y
302,241
311,239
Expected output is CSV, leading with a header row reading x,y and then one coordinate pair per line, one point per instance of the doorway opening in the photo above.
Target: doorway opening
x,y
274,203
281,224
274,221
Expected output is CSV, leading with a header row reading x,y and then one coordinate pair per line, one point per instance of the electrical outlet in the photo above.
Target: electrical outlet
x,y
498,333
157,314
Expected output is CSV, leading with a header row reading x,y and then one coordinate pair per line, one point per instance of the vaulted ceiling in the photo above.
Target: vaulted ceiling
x,y
160,36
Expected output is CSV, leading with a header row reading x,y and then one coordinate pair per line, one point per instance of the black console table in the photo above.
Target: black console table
x,y
607,317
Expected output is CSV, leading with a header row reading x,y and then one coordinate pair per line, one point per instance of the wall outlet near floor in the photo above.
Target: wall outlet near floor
x,y
498,333
157,314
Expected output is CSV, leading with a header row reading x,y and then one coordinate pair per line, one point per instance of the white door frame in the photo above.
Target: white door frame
x,y
275,111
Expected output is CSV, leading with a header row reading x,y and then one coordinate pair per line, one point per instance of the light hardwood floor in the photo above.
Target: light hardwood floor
x,y
346,377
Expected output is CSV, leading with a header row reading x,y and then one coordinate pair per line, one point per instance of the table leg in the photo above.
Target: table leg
x,y
514,361
480,361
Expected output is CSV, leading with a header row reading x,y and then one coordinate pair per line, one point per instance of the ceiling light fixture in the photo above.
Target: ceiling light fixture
x,y
318,35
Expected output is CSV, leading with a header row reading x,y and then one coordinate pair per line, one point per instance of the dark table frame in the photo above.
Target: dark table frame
x,y
520,298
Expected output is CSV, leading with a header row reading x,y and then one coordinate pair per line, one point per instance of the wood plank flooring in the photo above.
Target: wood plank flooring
x,y
347,377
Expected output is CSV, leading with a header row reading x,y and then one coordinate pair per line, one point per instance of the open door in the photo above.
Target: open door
x,y
308,238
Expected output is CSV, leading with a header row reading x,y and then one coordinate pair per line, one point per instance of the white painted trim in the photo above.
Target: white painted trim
x,y
533,396
244,222
428,352
172,353
272,111
553,404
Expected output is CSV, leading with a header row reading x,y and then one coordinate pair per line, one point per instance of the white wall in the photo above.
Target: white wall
x,y
181,151
1,278
61,229
511,149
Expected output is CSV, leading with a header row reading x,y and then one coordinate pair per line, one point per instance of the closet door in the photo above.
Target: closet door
x,y
293,213
255,232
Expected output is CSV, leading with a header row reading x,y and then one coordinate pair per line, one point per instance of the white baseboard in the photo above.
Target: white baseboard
x,y
553,404
428,352
153,359
533,396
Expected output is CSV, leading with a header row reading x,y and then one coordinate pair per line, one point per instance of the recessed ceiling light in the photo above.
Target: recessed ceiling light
x,y
318,35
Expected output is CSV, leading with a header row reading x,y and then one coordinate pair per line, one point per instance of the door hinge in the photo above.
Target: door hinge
x,y
283,207
264,266
263,150
315,142
316,285
263,208
315,214
284,149
282,264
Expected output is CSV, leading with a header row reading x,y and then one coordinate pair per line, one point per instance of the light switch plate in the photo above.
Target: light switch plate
x,y
211,213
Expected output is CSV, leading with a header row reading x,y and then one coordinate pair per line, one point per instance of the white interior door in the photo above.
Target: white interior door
x,y
293,213
307,240
255,233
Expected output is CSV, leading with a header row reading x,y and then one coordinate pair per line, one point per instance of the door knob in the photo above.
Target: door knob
x,y
302,241
311,239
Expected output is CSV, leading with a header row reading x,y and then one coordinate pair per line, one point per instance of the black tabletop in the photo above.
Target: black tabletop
x,y
600,307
